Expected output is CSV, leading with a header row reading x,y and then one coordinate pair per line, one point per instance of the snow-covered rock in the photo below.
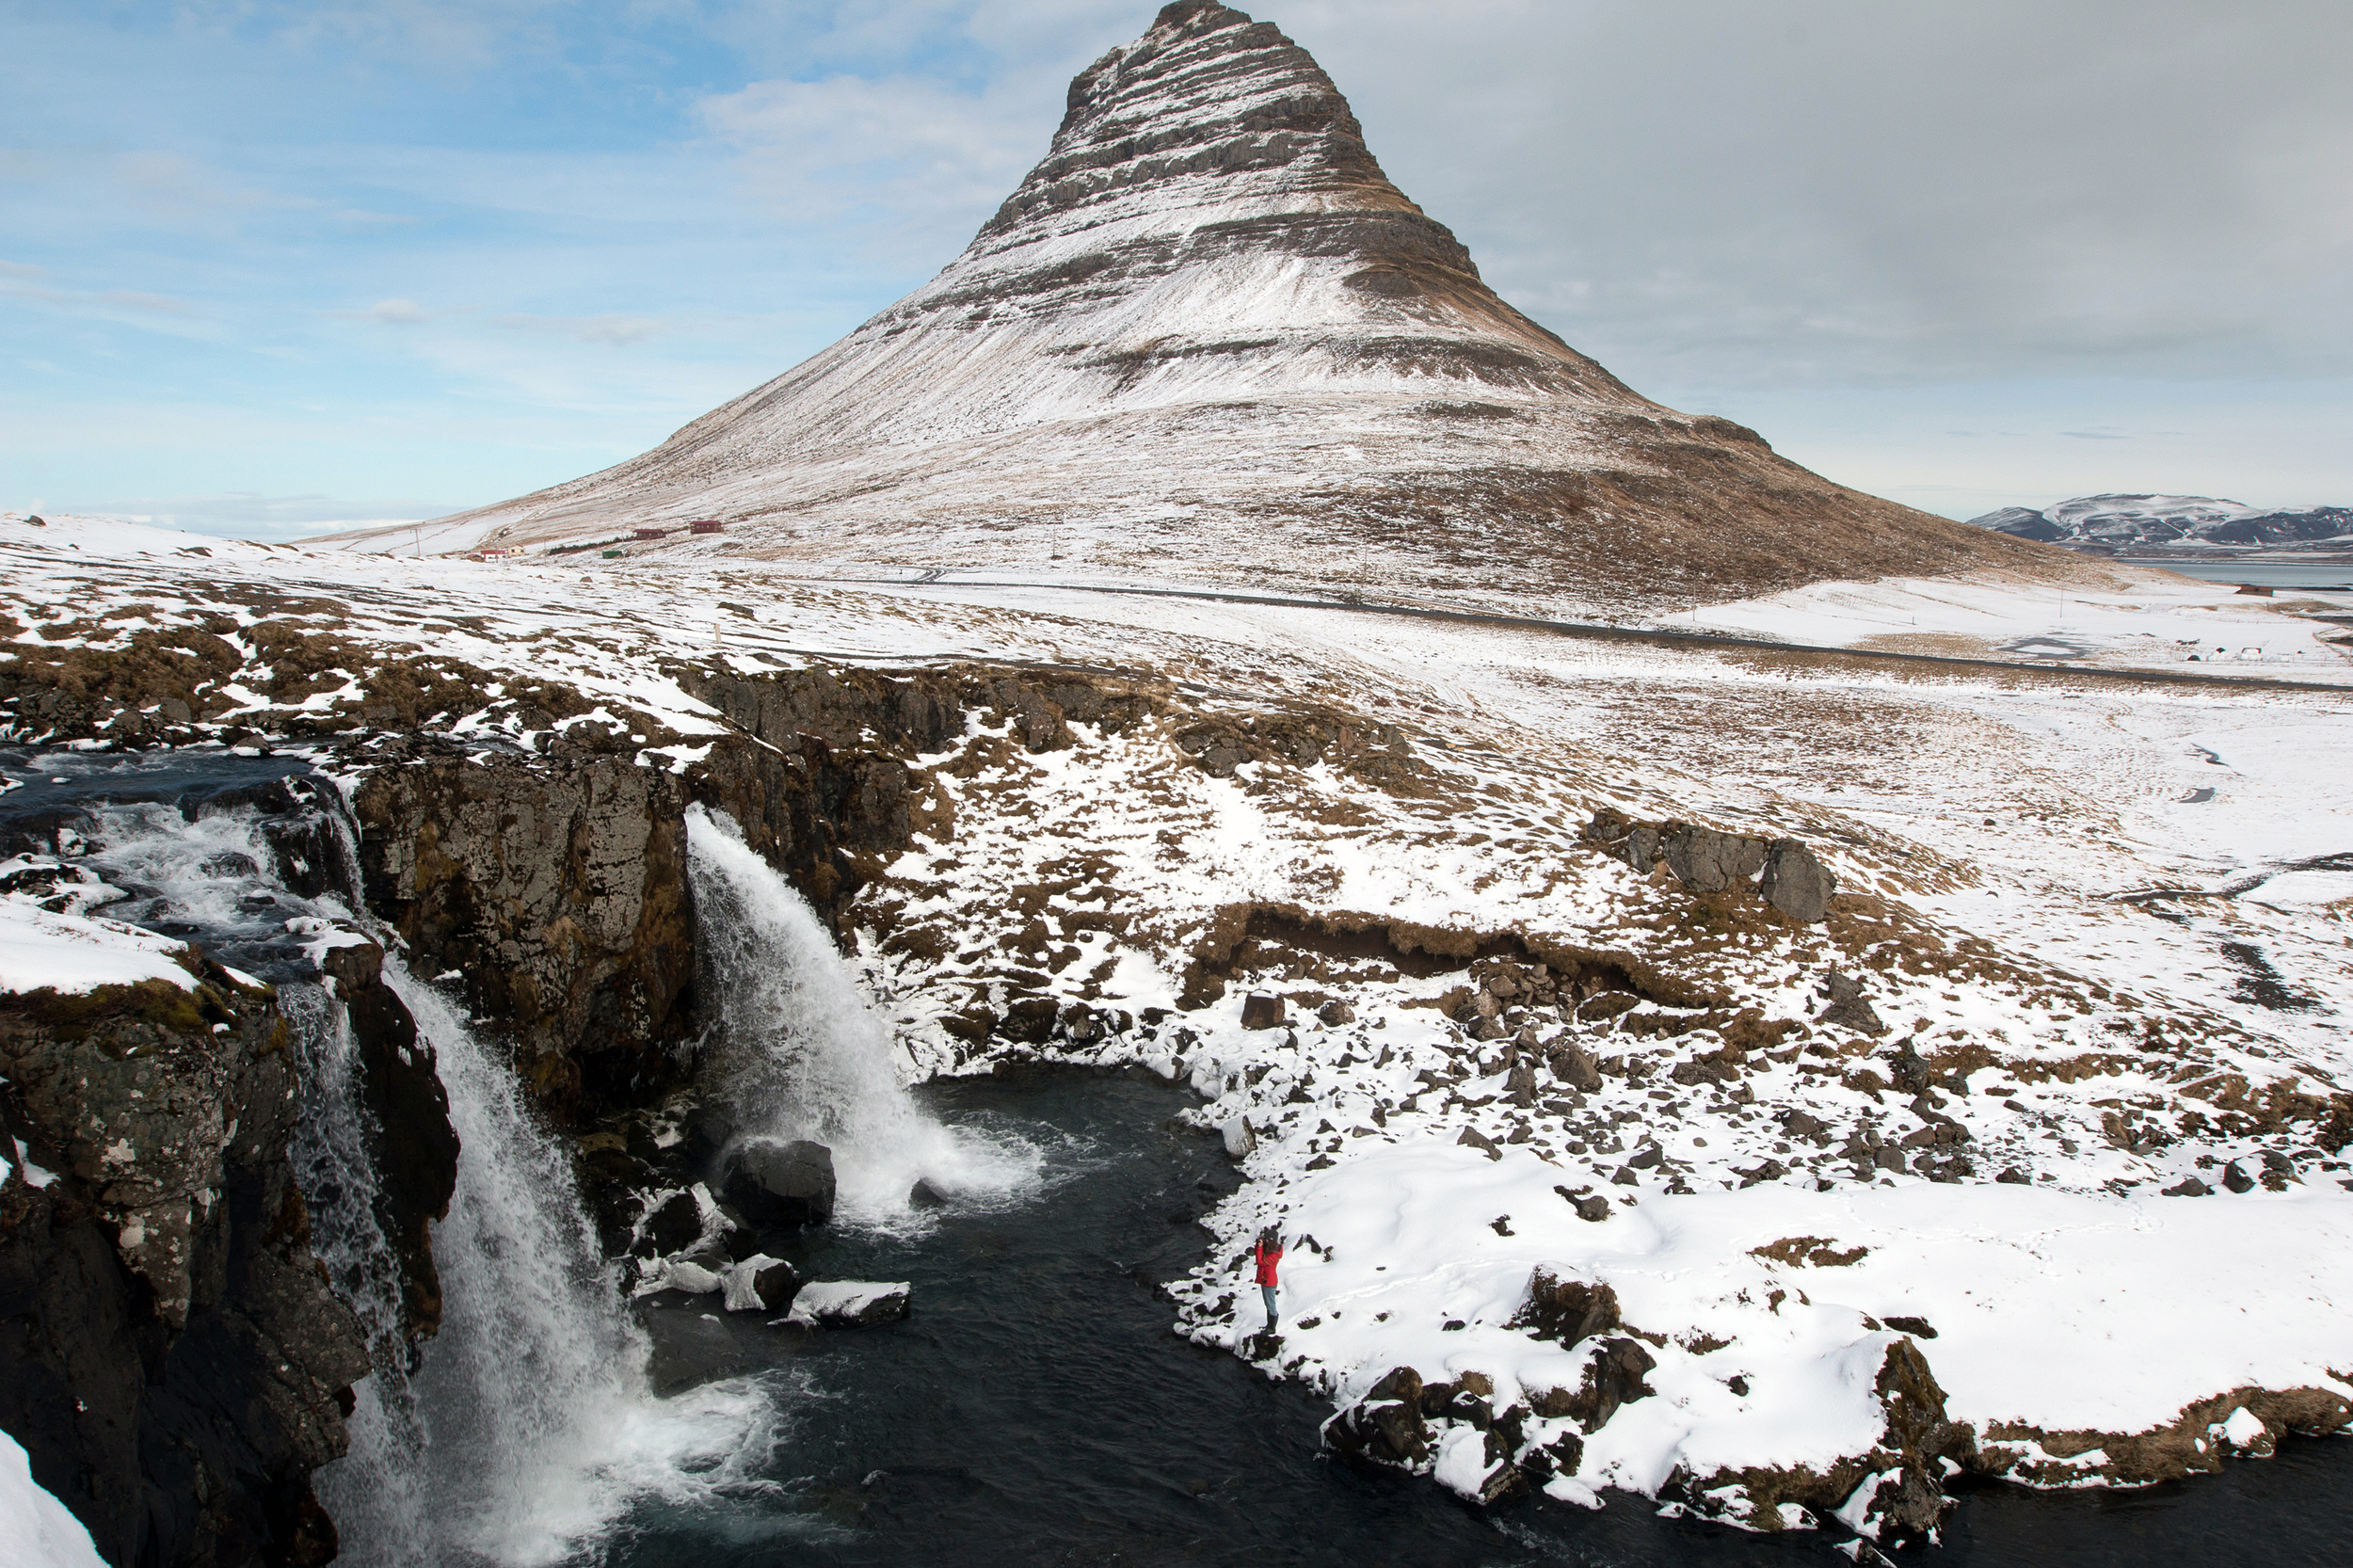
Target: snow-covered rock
x,y
849,1303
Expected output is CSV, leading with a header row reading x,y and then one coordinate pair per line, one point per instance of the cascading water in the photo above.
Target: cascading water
x,y
526,1432
806,1058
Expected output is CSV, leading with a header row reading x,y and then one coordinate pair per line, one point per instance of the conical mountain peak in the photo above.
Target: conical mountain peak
x,y
1208,337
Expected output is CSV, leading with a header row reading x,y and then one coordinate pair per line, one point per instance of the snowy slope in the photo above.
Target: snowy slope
x,y
2174,521
1206,336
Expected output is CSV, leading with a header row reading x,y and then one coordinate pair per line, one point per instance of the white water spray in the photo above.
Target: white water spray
x,y
806,1058
528,1430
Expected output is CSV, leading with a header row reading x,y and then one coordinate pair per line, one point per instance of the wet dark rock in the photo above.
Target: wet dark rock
x,y
924,1195
778,1184
778,1284
557,887
673,1226
175,1366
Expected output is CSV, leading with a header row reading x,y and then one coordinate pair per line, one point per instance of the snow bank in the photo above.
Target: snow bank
x,y
1770,1308
36,1530
79,952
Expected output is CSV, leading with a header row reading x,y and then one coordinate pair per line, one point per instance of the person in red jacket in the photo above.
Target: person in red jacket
x,y
1268,1254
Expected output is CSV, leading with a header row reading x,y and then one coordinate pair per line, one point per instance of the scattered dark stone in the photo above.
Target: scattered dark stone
x,y
2236,1180
1336,1013
1567,1310
1263,1010
1905,1068
1596,1207
1917,1327
1625,1176
2012,1175
1646,1157
1477,1140
2189,1187
1576,1066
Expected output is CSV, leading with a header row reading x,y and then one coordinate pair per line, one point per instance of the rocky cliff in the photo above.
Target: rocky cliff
x,y
1206,336
176,1367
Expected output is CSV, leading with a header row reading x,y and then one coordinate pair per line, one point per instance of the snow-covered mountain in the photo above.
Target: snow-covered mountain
x,y
1207,337
2122,522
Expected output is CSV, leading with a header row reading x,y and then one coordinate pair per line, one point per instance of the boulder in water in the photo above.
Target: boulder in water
x,y
850,1304
761,1283
926,1195
673,1225
776,1184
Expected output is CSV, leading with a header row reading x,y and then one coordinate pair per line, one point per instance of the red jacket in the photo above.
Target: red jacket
x,y
1267,1258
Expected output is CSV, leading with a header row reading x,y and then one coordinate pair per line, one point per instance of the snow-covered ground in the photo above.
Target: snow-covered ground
x,y
2101,925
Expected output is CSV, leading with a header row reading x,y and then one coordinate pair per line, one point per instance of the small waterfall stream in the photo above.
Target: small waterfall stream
x,y
803,1056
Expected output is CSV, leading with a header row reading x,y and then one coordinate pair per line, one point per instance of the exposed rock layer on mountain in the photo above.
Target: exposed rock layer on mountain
x,y
2131,524
1207,337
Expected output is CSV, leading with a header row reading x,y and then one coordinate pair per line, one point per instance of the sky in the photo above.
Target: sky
x,y
268,266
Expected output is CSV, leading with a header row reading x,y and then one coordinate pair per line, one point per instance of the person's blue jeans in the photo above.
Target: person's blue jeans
x,y
1271,1310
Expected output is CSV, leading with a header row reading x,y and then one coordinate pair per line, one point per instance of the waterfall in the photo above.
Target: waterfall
x,y
527,1431
805,1057
524,1432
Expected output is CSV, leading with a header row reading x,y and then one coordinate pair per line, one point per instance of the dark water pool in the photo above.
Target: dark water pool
x,y
1036,1410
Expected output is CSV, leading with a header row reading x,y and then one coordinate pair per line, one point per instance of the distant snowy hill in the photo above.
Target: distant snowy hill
x,y
1208,337
2109,524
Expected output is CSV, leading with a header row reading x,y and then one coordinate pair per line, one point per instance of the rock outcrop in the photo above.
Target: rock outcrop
x,y
1783,872
176,1365
556,887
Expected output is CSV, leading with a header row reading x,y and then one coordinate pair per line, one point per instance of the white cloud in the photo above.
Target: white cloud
x,y
910,164
618,331
393,312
